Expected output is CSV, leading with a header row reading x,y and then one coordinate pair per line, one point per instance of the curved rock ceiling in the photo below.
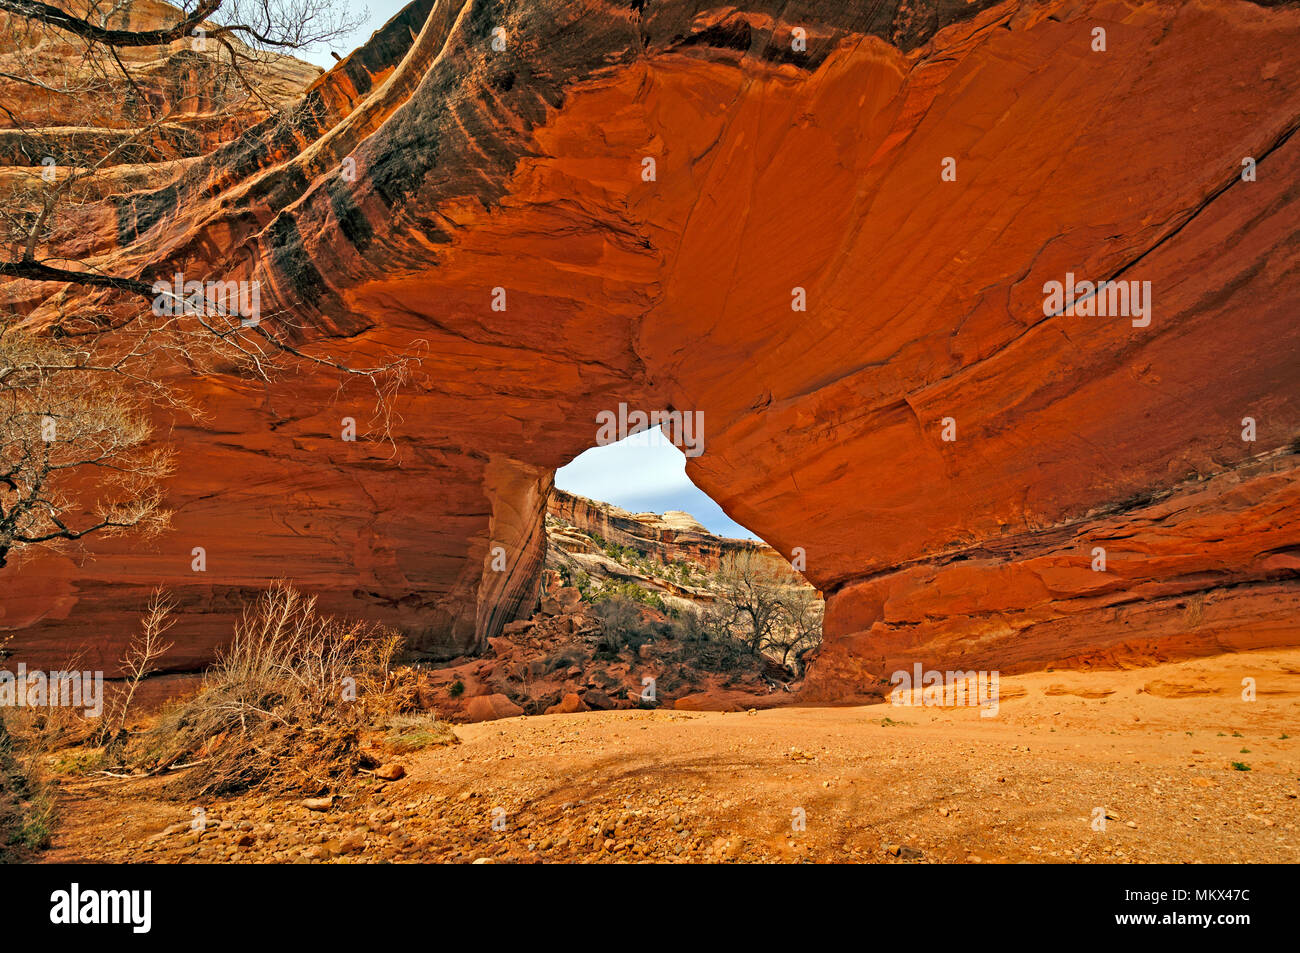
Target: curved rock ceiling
x,y
431,169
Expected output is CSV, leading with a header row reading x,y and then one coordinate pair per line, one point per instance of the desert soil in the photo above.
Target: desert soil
x,y
1154,748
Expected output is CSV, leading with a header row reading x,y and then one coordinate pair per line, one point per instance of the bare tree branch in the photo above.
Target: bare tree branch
x,y
78,26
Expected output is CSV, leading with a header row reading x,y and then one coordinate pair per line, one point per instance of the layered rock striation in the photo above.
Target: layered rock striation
x,y
829,229
670,537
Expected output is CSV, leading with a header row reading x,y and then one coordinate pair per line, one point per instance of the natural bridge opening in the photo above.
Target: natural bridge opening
x,y
652,596
645,473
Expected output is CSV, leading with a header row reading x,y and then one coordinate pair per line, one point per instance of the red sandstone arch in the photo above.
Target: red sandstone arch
x,y
522,170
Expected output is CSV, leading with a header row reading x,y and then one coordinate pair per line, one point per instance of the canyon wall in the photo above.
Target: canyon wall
x,y
670,554
948,454
674,536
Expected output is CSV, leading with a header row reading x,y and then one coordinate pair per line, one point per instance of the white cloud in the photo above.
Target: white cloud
x,y
645,473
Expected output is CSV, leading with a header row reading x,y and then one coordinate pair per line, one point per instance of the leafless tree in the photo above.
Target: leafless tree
x,y
799,630
91,104
750,600
759,607
74,451
97,96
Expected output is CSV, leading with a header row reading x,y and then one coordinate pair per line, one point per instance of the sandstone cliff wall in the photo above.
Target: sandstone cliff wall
x,y
668,537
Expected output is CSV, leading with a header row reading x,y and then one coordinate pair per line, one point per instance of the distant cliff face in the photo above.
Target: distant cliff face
x,y
838,253
669,537
667,554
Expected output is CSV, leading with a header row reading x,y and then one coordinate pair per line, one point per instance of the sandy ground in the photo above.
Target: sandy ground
x,y
1152,749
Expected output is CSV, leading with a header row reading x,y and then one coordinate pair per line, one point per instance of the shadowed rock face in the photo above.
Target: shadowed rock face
x,y
775,169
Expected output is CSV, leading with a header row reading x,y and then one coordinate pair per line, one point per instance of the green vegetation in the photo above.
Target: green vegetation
x,y
608,589
756,613
81,761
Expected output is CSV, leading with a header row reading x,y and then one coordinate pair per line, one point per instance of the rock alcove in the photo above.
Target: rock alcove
x,y
470,170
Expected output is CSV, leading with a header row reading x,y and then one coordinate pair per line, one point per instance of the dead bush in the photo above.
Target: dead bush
x,y
285,707
45,729
26,804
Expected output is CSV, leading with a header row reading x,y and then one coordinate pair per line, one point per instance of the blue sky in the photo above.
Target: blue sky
x,y
645,473
381,11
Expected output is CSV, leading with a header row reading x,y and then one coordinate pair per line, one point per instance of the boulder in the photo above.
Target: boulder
x,y
568,599
598,700
706,701
490,708
568,705
724,700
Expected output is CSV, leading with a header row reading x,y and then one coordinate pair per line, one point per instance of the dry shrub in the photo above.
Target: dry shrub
x,y
284,708
50,728
26,804
414,732
140,661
